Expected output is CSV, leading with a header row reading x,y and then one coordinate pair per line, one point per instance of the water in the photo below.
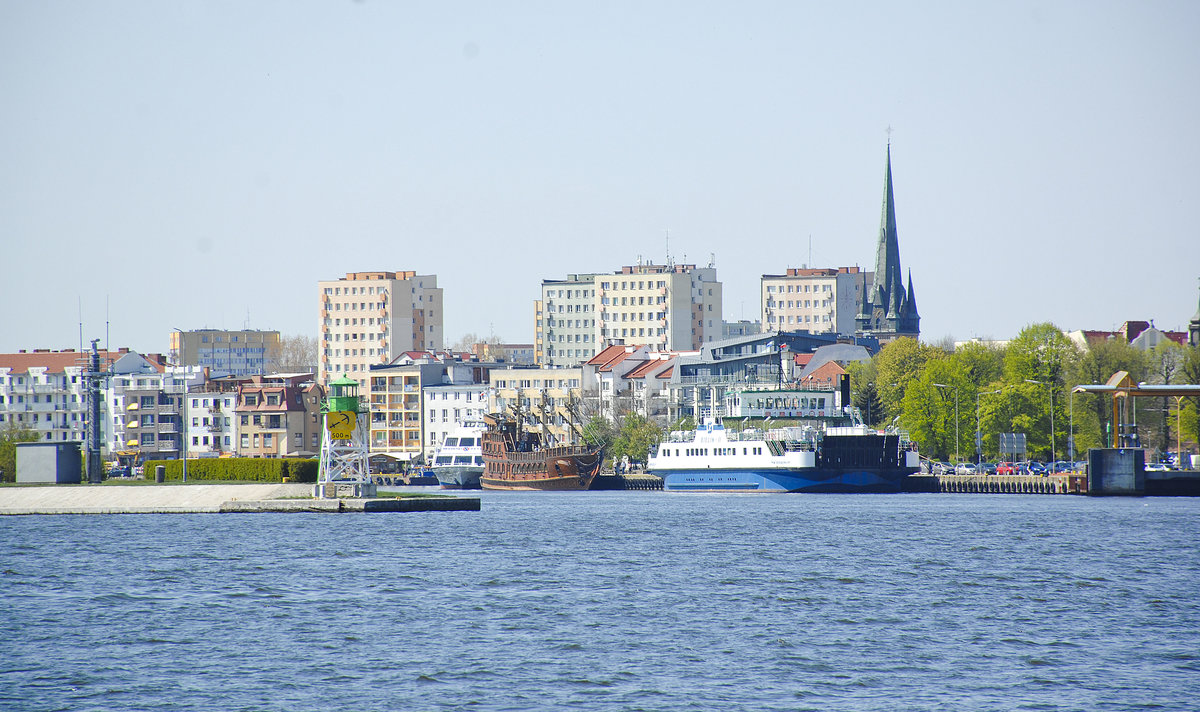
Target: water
x,y
613,601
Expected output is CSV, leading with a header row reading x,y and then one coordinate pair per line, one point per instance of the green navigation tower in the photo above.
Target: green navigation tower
x,y
344,470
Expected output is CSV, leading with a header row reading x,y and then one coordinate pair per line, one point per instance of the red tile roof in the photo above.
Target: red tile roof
x,y
59,361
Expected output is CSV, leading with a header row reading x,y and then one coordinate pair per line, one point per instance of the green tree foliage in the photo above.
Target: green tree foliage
x,y
600,431
1157,418
1191,406
867,400
1094,367
896,365
10,435
1042,353
635,438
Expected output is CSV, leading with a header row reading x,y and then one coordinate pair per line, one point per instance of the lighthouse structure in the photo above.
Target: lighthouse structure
x,y
344,470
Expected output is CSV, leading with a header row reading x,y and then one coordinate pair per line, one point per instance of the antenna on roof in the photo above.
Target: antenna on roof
x,y
668,247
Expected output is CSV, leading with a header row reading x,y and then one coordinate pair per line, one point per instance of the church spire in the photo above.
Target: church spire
x,y
888,277
889,309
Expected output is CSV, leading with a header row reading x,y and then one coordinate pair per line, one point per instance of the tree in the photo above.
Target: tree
x,y
866,399
1094,367
1035,364
10,435
295,354
635,438
1166,365
896,365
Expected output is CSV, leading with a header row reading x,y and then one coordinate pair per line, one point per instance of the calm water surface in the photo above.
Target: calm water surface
x,y
613,601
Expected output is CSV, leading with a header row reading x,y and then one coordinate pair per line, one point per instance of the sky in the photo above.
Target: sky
x,y
204,164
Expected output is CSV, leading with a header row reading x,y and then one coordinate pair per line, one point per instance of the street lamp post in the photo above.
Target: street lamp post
x,y
1050,387
943,385
978,435
183,421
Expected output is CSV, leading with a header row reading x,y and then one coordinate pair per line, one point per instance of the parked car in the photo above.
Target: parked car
x,y
1037,468
987,468
964,468
1007,468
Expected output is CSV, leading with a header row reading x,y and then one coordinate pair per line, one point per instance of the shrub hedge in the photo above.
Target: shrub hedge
x,y
238,469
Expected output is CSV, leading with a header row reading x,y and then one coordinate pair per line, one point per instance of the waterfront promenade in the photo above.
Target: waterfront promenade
x,y
204,498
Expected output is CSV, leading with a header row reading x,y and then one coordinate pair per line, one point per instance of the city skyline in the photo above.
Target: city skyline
x,y
206,166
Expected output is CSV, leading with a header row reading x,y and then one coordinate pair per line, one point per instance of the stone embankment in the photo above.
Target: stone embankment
x,y
205,498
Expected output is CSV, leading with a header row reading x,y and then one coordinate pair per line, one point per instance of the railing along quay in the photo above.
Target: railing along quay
x,y
1013,484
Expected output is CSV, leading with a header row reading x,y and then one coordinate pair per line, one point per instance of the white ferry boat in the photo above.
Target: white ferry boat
x,y
851,458
458,461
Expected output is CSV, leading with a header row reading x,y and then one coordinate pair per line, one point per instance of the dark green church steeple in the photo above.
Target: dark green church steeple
x,y
889,309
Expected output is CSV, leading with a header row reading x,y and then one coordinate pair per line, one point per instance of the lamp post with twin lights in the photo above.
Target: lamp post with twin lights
x,y
978,433
1051,389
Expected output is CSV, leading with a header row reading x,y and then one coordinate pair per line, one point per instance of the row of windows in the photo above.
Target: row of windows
x,y
800,304
35,399
639,284
632,301
355,291
819,319
771,288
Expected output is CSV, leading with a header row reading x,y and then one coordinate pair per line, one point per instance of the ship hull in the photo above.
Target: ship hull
x,y
458,477
767,480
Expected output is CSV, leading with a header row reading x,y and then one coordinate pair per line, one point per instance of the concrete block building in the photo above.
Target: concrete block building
x,y
370,318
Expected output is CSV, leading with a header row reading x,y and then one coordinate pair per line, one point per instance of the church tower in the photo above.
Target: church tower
x,y
889,309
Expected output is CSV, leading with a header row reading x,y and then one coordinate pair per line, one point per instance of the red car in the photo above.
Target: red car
x,y
1007,468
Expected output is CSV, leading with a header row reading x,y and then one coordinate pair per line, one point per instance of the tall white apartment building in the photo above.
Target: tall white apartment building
x,y
372,317
667,307
566,332
815,300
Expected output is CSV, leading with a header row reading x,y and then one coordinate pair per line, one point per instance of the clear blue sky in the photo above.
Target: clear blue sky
x,y
206,163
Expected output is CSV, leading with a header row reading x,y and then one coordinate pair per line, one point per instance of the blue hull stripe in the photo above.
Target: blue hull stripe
x,y
782,480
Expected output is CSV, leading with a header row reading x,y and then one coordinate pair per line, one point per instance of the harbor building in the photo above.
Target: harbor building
x,y
566,333
889,310
815,300
370,318
233,353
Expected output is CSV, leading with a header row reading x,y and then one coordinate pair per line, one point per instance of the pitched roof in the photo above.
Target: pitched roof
x,y
57,361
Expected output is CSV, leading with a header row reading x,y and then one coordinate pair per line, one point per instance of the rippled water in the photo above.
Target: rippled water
x,y
614,601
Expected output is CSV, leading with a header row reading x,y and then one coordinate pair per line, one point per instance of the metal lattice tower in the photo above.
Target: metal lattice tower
x,y
344,434
94,380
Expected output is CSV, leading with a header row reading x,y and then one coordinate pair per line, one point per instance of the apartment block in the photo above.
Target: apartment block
x,y
148,402
211,429
446,406
566,333
370,318
550,400
43,391
815,300
666,307
234,353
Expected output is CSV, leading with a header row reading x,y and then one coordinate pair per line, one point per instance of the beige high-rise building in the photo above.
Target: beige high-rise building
x,y
373,317
814,300
667,307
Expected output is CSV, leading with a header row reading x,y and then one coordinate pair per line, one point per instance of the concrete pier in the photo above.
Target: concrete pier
x,y
1012,484
193,499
